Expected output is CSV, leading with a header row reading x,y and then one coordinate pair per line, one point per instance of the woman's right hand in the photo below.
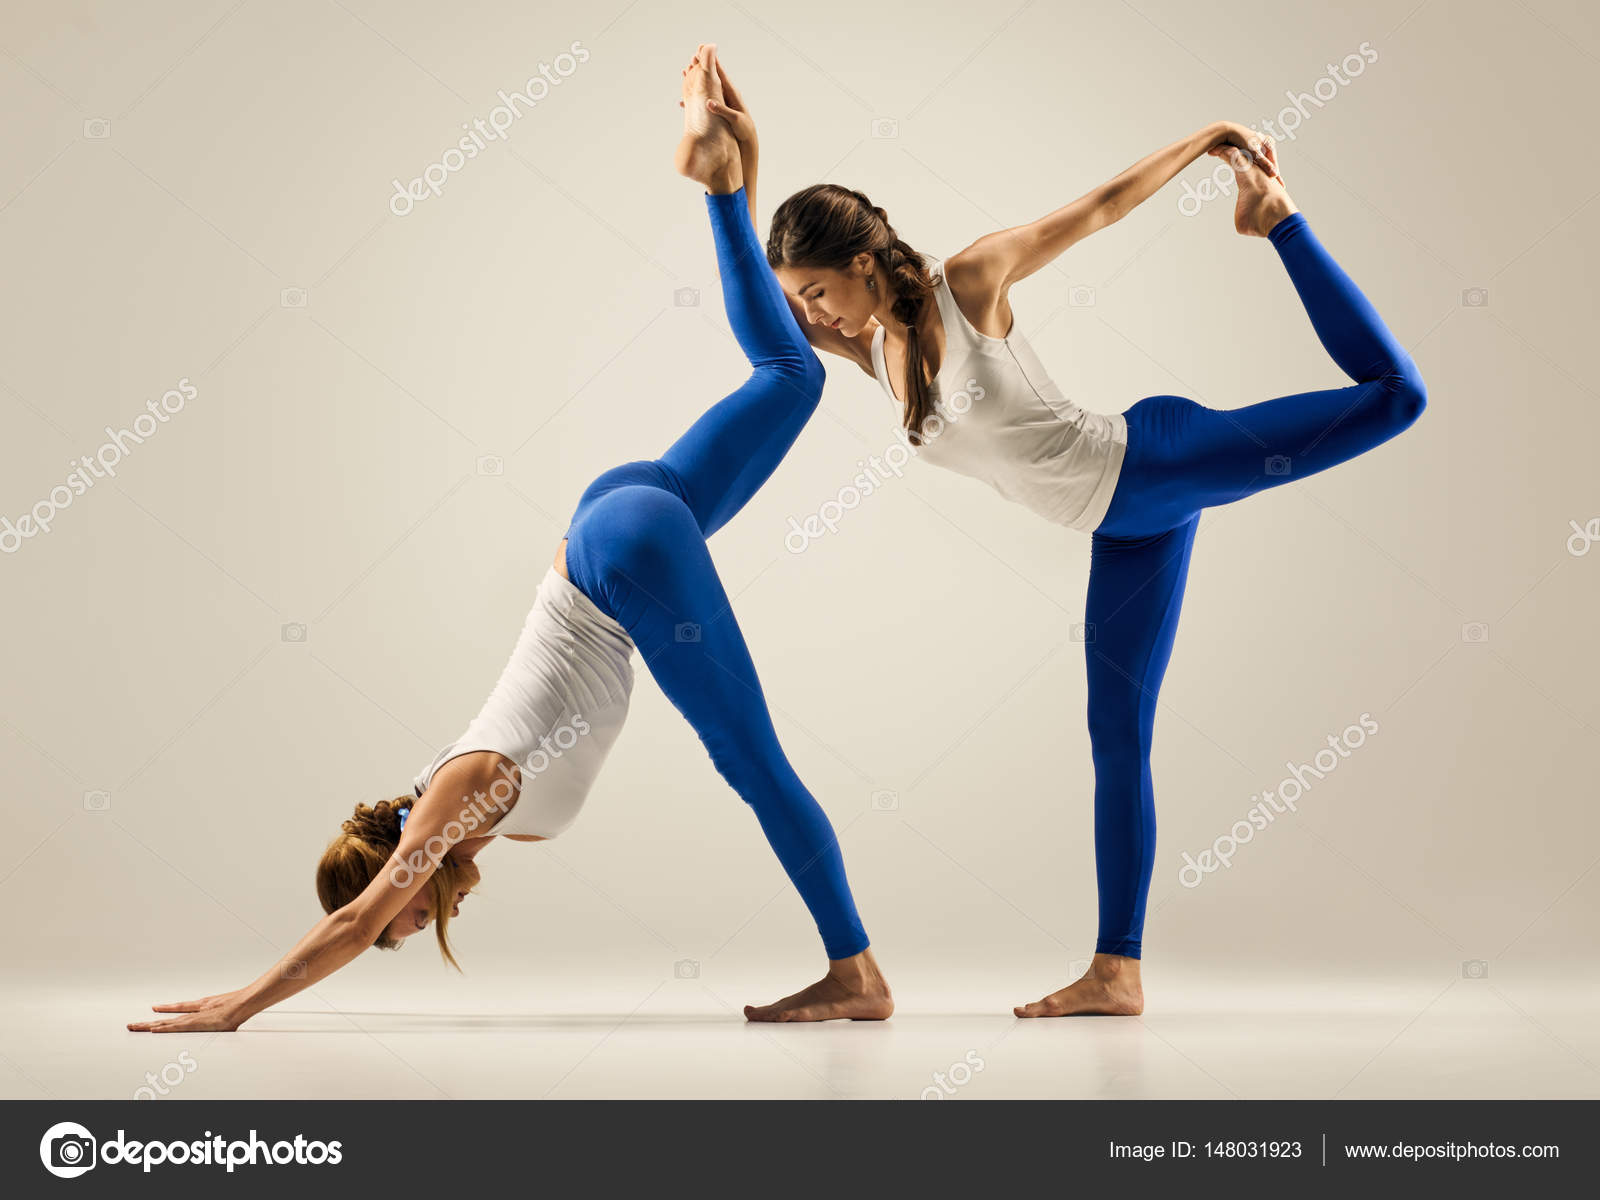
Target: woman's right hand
x,y
1258,146
734,111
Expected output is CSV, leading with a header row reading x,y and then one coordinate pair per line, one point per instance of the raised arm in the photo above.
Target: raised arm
x,y
993,263
341,936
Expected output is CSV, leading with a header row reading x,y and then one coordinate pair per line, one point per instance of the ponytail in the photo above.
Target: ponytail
x,y
827,226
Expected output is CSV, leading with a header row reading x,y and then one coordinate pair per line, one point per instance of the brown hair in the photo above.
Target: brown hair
x,y
827,226
364,847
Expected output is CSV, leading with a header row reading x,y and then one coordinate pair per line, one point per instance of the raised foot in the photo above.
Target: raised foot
x,y
1263,201
1110,988
852,990
707,152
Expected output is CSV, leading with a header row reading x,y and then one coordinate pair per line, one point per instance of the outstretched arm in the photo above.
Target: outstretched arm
x,y
339,937
993,263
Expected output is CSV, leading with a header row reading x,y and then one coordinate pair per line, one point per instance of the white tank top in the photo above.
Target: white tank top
x,y
555,712
1006,423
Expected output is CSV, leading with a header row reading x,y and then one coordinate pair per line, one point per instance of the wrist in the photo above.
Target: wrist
x,y
237,1012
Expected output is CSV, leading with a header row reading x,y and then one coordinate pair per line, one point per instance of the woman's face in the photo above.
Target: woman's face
x,y
835,298
418,914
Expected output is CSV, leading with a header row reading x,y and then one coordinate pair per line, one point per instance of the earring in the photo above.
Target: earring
x,y
871,286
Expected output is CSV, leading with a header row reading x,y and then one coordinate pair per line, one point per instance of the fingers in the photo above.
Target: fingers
x,y
729,92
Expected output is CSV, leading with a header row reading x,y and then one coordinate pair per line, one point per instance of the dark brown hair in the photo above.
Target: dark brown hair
x,y
365,844
827,226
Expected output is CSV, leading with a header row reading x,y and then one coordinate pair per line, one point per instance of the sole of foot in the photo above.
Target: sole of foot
x,y
1263,201
707,150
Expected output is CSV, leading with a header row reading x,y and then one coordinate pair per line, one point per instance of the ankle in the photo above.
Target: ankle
x,y
725,180
1115,968
859,972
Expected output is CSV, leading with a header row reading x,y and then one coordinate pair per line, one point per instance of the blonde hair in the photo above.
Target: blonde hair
x,y
365,844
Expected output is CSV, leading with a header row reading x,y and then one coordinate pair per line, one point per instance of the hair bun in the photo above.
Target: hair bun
x,y
378,822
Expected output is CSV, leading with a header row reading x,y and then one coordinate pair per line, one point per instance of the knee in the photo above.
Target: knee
x,y
800,369
754,769
1405,394
1118,734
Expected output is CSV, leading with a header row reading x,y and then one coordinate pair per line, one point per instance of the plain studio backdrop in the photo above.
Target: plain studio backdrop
x,y
304,581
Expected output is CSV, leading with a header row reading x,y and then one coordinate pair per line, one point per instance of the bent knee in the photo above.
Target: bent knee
x,y
799,369
1406,394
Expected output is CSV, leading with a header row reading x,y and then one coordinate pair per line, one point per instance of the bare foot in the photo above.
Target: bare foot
x,y
1109,988
1263,201
853,989
708,152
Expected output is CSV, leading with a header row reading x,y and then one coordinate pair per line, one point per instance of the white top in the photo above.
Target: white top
x,y
1007,424
555,712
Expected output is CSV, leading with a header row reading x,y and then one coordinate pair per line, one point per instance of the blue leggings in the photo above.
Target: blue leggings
x,y
637,548
1183,457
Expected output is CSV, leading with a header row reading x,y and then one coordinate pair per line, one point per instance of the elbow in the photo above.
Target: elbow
x,y
357,926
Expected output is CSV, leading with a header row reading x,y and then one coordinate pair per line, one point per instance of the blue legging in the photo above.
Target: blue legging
x,y
637,548
1183,457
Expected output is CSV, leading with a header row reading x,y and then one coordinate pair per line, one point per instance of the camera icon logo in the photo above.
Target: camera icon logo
x,y
1277,464
97,801
67,1150
686,297
1083,631
885,800
1474,297
1081,296
686,968
491,464
97,128
1474,968
687,631
1475,631
294,631
885,127
295,969
292,297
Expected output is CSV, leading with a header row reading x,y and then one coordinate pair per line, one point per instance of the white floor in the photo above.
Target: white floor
x,y
454,1038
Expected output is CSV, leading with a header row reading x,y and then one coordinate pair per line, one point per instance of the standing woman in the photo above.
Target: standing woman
x,y
632,572
941,340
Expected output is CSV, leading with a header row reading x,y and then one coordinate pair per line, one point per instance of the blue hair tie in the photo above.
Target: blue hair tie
x,y
404,813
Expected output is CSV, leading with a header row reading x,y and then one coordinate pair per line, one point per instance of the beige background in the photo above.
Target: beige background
x,y
327,474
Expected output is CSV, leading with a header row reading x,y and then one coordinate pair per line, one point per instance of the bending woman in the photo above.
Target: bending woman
x,y
632,572
974,398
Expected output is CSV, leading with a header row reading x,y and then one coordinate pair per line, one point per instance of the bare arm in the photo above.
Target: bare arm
x,y
338,938
982,274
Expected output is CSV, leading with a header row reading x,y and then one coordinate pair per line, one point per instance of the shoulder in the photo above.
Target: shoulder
x,y
977,273
977,283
